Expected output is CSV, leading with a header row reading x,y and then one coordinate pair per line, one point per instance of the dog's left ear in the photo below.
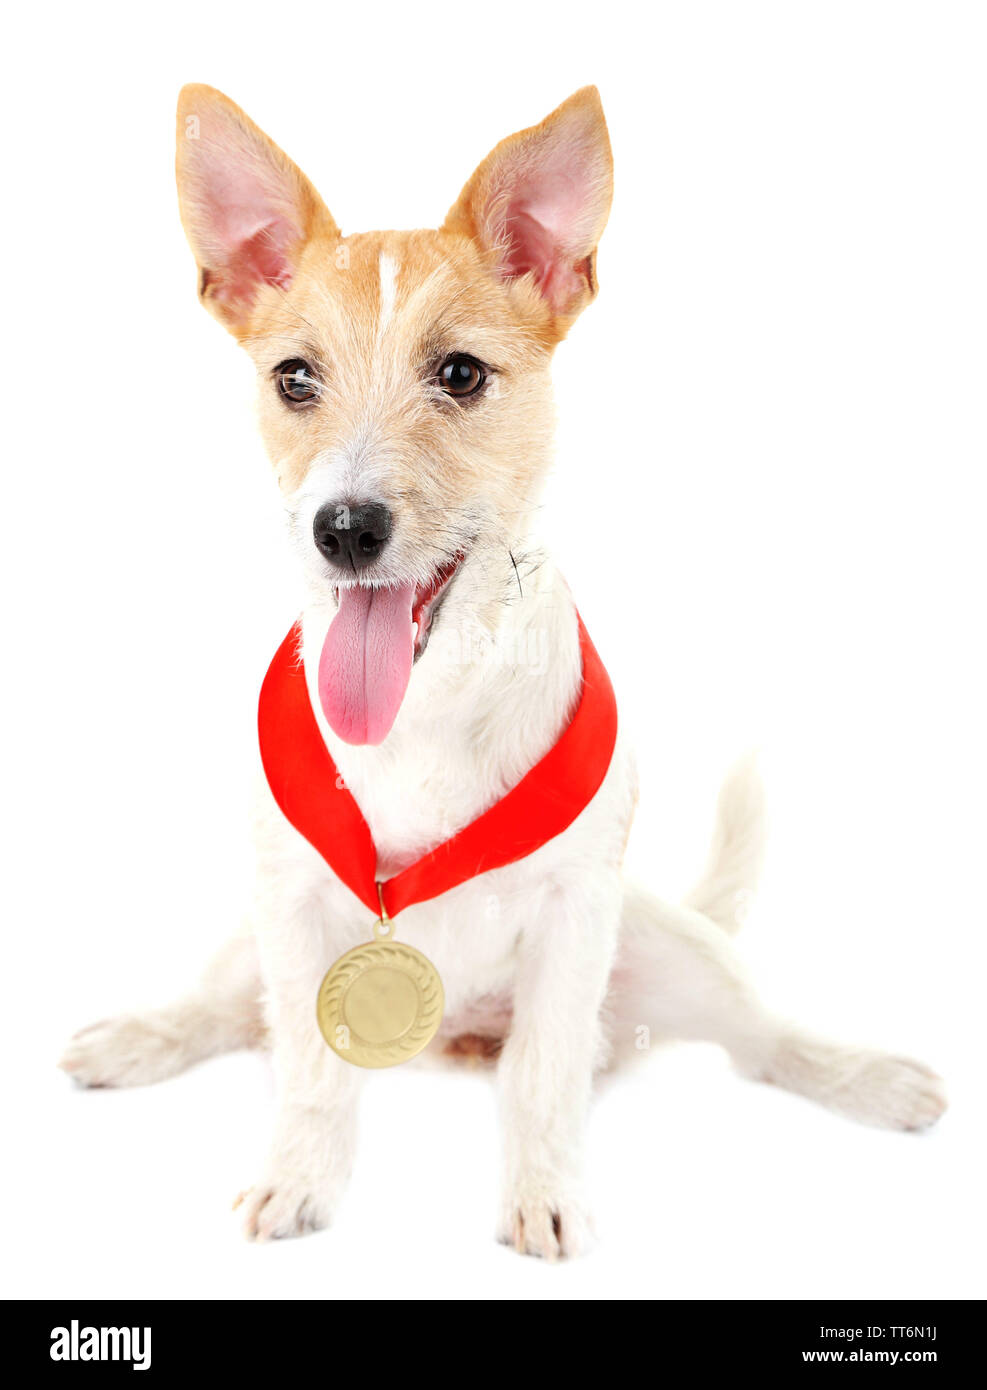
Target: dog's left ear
x,y
538,204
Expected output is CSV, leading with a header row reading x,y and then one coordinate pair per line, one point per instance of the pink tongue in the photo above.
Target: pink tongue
x,y
366,662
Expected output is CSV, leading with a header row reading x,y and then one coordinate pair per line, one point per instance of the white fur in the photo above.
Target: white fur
x,y
556,950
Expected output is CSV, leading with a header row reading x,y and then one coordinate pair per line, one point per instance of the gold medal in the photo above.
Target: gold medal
x,y
382,1002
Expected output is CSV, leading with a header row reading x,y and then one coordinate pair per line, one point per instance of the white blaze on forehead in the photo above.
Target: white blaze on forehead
x,y
388,291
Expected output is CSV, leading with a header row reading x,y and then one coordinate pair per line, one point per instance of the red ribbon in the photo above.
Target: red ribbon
x,y
309,790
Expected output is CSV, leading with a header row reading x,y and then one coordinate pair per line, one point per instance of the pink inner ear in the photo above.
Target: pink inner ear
x,y
532,248
259,259
546,205
248,221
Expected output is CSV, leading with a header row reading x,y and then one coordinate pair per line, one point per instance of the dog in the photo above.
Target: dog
x,y
405,401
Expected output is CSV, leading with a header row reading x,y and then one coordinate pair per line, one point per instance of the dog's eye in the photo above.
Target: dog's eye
x,y
460,375
297,382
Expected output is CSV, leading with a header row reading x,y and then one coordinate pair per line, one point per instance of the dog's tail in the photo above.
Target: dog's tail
x,y
726,890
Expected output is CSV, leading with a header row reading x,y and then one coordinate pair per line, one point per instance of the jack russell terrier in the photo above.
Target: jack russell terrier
x,y
447,795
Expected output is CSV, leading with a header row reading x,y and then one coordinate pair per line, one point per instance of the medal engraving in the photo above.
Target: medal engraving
x,y
380,1004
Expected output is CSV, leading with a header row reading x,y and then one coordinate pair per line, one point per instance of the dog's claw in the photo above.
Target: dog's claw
x,y
277,1212
551,1229
518,1241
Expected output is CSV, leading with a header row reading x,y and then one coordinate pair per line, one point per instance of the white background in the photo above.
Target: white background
x,y
780,390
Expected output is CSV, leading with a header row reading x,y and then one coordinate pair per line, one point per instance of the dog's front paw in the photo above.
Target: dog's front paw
x,y
285,1206
540,1217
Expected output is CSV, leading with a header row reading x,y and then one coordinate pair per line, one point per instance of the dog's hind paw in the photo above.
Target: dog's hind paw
x,y
124,1051
895,1092
874,1088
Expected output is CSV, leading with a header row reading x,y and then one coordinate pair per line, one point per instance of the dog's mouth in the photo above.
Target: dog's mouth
x,y
429,599
373,641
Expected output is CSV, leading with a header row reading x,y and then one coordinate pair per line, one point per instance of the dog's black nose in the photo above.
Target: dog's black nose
x,y
352,537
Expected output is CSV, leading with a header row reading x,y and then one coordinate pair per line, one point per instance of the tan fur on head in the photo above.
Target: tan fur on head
x,y
376,314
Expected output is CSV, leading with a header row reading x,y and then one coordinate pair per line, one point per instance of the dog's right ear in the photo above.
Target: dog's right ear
x,y
248,211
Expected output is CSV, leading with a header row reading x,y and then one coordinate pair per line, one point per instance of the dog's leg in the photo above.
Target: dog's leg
x,y
677,975
312,1149
223,1013
546,1068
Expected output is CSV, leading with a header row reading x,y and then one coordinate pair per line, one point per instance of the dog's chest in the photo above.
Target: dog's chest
x,y
416,799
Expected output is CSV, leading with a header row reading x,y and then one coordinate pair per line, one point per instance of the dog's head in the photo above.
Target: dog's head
x,y
405,398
